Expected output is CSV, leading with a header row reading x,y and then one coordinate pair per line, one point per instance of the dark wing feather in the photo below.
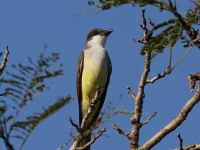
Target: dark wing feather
x,y
104,92
78,84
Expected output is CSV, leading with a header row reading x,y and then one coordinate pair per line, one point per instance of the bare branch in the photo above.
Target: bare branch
x,y
147,34
121,131
174,123
83,129
92,106
147,121
3,64
182,57
169,69
192,33
100,133
191,147
131,93
159,76
180,141
137,113
73,124
192,80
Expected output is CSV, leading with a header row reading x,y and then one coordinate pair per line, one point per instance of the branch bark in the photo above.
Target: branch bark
x,y
191,32
191,147
3,64
83,129
174,123
138,99
137,113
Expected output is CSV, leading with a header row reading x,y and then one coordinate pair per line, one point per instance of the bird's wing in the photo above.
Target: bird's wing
x,y
79,82
102,99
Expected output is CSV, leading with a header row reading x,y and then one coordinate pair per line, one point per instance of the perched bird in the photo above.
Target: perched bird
x,y
94,69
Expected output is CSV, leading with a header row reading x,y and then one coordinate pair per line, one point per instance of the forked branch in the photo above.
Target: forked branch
x,y
174,123
83,129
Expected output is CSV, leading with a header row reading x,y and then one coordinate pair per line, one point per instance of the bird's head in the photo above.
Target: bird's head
x,y
97,37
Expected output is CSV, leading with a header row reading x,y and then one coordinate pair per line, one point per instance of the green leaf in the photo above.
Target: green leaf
x,y
25,81
2,110
31,122
108,4
167,37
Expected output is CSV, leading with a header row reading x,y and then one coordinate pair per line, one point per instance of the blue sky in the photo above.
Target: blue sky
x,y
63,25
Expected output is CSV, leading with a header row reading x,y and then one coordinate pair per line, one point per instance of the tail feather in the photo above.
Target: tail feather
x,y
84,141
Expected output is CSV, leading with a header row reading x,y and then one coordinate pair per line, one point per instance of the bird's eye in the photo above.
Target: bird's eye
x,y
95,33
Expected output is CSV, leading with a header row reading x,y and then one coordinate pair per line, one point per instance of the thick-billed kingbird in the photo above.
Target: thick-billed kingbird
x,y
94,69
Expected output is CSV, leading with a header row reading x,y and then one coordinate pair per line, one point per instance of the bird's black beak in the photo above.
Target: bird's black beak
x,y
107,32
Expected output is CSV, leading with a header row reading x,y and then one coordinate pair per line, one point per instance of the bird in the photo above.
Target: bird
x,y
93,70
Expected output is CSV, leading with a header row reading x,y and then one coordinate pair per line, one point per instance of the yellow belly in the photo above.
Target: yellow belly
x,y
94,74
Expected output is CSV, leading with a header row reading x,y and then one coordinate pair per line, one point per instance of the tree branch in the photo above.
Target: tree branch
x,y
191,32
83,129
131,93
191,147
93,140
180,141
73,124
174,123
92,106
137,113
3,64
121,131
169,69
192,80
147,121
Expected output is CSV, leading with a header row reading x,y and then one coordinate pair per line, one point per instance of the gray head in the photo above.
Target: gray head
x,y
97,36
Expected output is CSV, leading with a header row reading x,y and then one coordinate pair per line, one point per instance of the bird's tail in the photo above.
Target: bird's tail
x,y
84,141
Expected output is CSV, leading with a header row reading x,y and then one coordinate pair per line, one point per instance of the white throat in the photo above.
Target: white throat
x,y
97,40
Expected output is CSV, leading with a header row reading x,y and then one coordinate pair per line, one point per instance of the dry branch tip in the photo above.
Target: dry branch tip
x,y
120,131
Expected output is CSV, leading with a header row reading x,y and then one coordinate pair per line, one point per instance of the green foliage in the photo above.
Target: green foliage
x,y
26,127
21,85
167,37
108,4
170,32
25,81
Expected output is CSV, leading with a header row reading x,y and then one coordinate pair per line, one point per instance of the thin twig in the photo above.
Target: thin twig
x,y
180,141
192,80
100,133
85,119
121,131
3,64
147,121
169,69
174,123
191,32
170,57
147,34
131,93
83,129
182,57
73,124
191,147
138,103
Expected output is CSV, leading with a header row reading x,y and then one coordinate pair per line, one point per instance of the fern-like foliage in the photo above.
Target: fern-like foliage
x,y
170,32
26,127
168,36
108,4
21,84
